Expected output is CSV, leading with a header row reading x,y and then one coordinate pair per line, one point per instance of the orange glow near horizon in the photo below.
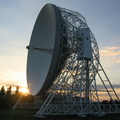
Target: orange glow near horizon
x,y
102,95
24,90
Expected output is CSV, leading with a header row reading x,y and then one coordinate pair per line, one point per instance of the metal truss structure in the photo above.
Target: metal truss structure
x,y
74,90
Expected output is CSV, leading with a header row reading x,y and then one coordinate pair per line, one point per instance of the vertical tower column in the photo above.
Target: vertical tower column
x,y
85,53
87,89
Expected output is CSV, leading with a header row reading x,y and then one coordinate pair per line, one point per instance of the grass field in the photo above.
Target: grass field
x,y
7,114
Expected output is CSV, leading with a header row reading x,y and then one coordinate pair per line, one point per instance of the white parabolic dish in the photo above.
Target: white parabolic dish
x,y
46,35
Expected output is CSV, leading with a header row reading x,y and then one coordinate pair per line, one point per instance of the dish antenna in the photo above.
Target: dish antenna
x,y
63,62
44,50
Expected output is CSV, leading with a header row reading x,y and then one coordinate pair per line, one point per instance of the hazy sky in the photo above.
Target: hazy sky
x,y
17,18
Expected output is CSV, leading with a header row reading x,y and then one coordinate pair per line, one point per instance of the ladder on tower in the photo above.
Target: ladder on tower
x,y
107,82
111,91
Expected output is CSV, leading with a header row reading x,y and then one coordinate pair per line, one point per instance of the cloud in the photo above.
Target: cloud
x,y
118,61
111,53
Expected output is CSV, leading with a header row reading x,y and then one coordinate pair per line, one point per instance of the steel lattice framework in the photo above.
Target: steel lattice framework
x,y
74,89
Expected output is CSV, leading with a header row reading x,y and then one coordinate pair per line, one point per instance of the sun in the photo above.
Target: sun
x,y
24,90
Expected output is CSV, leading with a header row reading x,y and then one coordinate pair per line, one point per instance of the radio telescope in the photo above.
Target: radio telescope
x,y
63,62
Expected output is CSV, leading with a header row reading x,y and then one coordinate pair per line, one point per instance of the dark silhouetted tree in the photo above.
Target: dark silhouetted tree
x,y
2,97
17,90
9,91
2,91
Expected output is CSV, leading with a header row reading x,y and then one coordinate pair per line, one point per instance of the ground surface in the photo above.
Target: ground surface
x,y
28,115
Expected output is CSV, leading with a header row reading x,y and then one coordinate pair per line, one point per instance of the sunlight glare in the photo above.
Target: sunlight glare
x,y
24,90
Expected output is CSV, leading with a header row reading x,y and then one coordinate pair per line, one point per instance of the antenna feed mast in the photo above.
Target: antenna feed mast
x,y
50,51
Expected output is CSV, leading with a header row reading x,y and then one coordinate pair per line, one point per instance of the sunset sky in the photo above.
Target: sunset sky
x,y
17,18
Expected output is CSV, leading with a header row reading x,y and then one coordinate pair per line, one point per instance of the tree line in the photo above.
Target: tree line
x,y
8,99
